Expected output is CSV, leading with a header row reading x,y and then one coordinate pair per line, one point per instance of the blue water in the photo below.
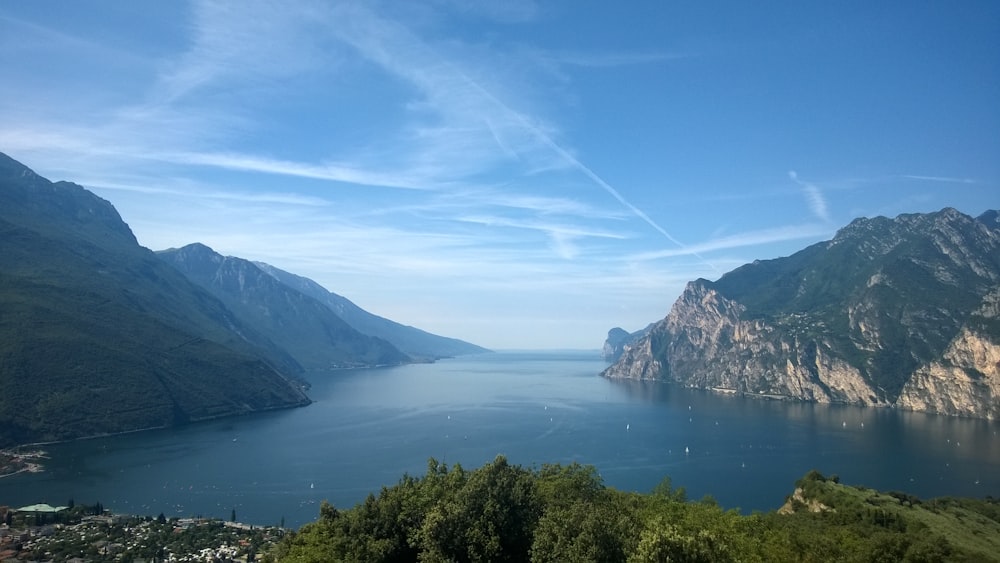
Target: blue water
x,y
367,427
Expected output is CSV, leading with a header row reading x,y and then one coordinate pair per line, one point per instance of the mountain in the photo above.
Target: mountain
x,y
310,331
900,312
413,341
619,340
98,335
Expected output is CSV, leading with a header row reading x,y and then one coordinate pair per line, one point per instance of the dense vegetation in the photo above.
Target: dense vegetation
x,y
504,512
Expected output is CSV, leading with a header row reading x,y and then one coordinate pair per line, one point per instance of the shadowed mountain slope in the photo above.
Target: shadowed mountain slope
x,y
98,335
308,329
413,341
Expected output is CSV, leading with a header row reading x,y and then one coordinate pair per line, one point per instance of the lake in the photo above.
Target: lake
x,y
367,427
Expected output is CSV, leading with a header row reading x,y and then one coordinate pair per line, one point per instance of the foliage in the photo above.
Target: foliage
x,y
503,512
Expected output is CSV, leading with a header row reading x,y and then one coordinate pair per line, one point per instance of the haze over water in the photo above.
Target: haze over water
x,y
367,427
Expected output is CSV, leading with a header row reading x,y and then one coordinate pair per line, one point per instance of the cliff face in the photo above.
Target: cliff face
x,y
966,380
619,340
890,312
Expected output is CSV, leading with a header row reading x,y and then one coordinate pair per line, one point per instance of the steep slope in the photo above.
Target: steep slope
x,y
97,335
890,312
311,332
413,341
619,340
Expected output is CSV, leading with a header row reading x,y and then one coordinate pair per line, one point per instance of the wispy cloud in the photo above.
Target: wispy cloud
x,y
207,192
945,179
547,227
332,172
814,197
740,240
611,59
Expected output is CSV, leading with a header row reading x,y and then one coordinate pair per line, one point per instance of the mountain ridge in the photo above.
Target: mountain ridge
x,y
100,336
890,312
418,343
315,336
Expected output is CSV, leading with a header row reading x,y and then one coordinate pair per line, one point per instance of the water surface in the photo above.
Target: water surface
x,y
367,427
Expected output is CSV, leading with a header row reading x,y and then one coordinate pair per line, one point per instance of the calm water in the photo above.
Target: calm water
x,y
367,427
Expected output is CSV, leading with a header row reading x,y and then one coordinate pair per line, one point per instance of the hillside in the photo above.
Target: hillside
x,y
504,512
309,330
98,335
417,343
893,312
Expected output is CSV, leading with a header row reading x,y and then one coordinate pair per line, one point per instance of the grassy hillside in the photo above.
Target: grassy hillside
x,y
504,512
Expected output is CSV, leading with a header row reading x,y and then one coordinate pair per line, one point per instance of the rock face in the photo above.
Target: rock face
x,y
619,341
966,379
615,344
896,312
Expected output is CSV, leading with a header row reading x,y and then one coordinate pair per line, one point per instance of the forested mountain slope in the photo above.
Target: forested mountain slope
x,y
98,335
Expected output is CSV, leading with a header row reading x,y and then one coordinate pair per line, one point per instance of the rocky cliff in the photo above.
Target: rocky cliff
x,y
899,312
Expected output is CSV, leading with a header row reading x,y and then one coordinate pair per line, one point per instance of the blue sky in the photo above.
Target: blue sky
x,y
516,174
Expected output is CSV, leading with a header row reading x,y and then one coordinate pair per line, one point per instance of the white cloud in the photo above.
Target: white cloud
x,y
739,240
814,197
945,179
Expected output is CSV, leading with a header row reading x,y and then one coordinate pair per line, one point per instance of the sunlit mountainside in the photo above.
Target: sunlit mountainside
x,y
900,312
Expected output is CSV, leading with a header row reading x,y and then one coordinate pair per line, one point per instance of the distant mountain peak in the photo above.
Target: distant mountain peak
x,y
315,335
417,343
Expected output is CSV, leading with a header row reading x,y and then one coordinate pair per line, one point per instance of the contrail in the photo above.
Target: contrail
x,y
573,161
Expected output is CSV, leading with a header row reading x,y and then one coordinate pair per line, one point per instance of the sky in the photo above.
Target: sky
x,y
513,173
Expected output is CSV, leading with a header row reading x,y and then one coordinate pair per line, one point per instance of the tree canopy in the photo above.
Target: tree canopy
x,y
504,512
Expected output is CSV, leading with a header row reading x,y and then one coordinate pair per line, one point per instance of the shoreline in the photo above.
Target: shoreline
x,y
13,462
12,449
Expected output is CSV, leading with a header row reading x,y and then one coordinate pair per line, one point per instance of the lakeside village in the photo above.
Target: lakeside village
x,y
88,533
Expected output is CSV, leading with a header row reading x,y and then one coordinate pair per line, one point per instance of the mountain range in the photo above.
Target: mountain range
x,y
320,329
100,335
900,312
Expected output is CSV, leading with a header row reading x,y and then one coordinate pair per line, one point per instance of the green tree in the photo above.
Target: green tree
x,y
662,543
492,517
